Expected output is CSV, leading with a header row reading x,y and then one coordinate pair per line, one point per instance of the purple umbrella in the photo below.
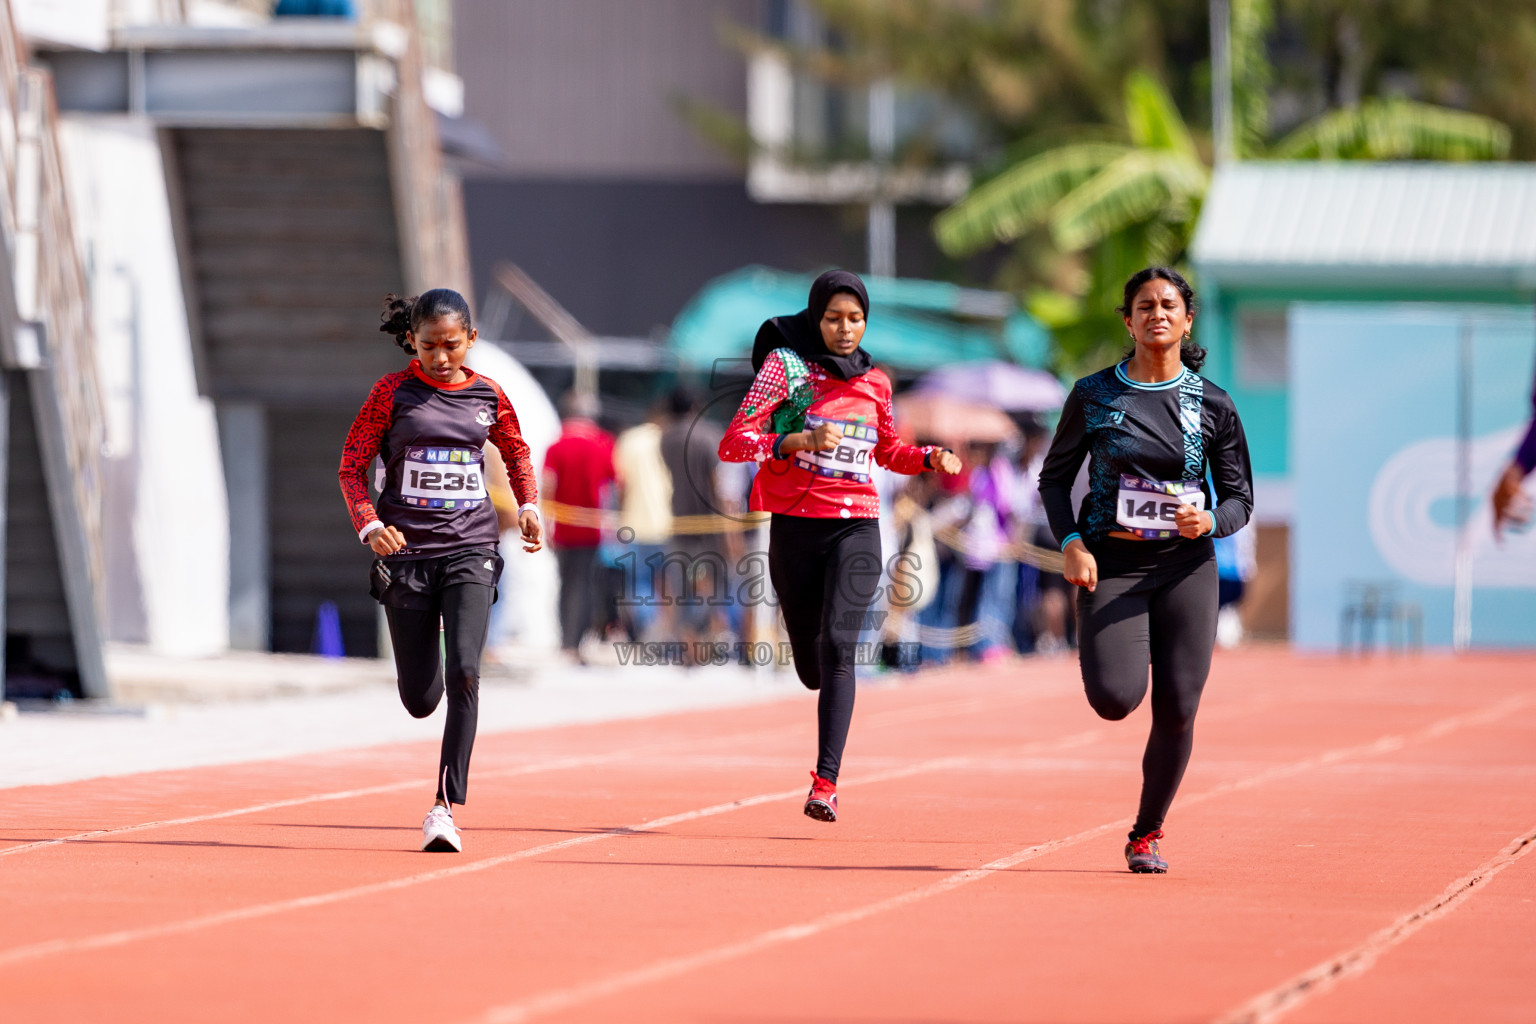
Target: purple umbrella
x,y
1001,385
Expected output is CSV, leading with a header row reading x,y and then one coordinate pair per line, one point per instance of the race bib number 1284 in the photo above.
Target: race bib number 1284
x,y
850,459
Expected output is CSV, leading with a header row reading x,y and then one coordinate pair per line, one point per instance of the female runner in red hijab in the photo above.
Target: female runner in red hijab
x,y
817,415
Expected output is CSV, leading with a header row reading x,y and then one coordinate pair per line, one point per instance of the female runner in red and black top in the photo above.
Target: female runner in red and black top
x,y
817,414
1157,437
435,529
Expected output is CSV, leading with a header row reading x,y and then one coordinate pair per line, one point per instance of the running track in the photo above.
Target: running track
x,y
1350,844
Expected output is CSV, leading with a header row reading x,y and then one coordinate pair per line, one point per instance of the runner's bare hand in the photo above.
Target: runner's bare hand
x,y
825,436
533,531
946,462
1193,522
1081,568
386,540
1511,506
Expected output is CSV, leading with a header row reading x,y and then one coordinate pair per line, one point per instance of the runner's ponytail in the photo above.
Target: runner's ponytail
x,y
402,316
396,320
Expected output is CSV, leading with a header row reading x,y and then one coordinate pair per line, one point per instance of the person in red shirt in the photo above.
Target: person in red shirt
x,y
434,530
817,414
577,469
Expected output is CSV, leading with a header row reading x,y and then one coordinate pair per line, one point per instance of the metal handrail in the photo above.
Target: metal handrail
x,y
45,330
429,205
62,304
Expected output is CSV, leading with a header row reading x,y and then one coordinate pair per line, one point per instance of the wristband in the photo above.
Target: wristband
x,y
930,453
528,506
776,443
1070,538
362,534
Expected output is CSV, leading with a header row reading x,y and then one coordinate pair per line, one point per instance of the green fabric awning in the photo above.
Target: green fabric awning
x,y
914,325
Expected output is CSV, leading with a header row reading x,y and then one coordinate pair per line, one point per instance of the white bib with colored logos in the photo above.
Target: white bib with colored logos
x,y
443,477
850,459
1147,508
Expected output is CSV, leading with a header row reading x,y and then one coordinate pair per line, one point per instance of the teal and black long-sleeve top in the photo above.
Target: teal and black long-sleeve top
x,y
1184,429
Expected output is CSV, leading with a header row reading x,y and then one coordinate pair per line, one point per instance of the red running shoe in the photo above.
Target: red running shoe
x,y
821,803
1141,854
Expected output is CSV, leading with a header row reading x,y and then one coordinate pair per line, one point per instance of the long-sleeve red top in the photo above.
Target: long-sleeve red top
x,y
820,485
431,438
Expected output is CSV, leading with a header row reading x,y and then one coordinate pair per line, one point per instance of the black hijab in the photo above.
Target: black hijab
x,y
802,331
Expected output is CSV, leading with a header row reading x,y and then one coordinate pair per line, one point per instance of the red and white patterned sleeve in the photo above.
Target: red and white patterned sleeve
x,y
507,436
890,452
749,438
362,446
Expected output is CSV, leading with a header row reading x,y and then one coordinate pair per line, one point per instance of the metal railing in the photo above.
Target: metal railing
x,y
60,304
45,332
51,298
429,204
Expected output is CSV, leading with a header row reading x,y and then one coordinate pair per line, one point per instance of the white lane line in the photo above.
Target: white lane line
x,y
939,709
19,954
1282,999
561,999
313,798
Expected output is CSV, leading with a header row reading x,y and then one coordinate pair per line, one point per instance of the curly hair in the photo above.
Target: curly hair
x,y
402,316
1190,354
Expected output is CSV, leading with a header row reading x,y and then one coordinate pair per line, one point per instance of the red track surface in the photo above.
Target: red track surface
x,y
1347,846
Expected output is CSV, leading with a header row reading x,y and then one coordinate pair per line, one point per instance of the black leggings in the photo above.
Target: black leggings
x,y
464,612
826,573
1159,612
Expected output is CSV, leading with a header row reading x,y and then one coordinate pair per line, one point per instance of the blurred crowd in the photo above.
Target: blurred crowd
x,y
652,541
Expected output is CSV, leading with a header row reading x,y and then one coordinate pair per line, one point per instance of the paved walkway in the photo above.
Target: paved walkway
x,y
252,707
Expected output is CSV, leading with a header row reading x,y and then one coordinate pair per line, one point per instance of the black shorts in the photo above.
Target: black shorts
x,y
414,582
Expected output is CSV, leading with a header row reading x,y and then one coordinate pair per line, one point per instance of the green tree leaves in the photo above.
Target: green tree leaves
x,y
1396,129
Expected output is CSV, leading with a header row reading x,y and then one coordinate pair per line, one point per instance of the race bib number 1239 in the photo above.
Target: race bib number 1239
x,y
443,477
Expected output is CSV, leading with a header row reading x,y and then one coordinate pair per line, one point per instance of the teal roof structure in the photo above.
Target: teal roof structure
x,y
1348,223
914,325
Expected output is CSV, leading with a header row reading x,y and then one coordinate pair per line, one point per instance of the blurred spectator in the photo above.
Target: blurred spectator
x,y
645,507
915,587
499,489
1053,610
987,579
577,471
1028,521
315,9
1236,560
946,509
695,607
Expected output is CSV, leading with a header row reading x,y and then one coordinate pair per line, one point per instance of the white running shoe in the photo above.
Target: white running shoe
x,y
438,833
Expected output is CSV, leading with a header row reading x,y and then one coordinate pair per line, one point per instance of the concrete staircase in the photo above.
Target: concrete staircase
x,y
305,181
291,241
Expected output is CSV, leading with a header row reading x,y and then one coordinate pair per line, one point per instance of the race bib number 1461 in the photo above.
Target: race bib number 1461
x,y
1148,508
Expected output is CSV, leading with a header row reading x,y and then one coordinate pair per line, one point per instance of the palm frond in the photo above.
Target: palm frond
x,y
1020,198
1396,129
1134,189
1152,117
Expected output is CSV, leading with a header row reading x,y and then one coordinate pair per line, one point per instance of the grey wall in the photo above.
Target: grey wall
x,y
585,87
624,257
